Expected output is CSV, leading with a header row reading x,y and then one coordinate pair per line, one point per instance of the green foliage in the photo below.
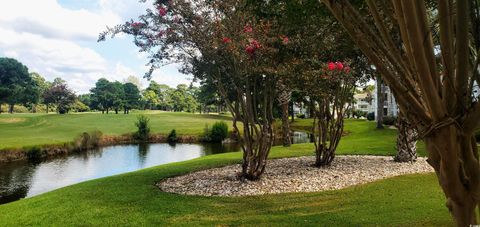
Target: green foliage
x,y
79,106
359,114
371,116
86,141
16,84
217,133
301,116
388,120
172,136
143,128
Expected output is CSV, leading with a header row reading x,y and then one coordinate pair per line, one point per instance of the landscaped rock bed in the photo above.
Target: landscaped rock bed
x,y
292,175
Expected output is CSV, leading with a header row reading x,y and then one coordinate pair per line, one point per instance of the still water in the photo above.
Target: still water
x,y
25,179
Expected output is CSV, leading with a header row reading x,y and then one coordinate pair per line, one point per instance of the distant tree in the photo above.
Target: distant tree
x,y
14,81
150,99
131,98
118,96
60,95
134,80
37,91
86,99
108,95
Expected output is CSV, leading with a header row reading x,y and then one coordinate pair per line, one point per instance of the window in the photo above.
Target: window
x,y
385,111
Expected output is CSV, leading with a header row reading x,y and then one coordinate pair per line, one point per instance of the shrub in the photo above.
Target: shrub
x,y
143,131
371,116
301,116
219,131
359,113
205,137
20,109
388,120
477,136
172,137
87,141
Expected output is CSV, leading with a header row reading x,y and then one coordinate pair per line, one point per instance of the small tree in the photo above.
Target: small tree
x,y
143,128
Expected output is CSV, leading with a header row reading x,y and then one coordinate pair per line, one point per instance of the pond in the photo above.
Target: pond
x,y
25,179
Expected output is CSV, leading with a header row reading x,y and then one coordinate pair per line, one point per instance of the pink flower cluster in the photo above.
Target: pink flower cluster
x,y
247,29
226,40
252,47
162,11
338,66
137,25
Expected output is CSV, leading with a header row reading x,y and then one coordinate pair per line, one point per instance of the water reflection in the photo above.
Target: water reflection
x,y
24,179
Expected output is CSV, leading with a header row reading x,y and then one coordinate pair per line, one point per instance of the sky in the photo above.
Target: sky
x,y
58,38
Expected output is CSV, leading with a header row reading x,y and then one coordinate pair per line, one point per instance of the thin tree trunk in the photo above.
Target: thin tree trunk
x,y
10,108
406,140
380,103
283,97
1,108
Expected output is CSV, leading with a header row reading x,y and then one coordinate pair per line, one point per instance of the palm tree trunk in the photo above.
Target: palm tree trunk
x,y
406,141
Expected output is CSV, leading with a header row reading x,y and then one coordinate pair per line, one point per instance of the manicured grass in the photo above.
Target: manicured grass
x,y
19,130
362,136
133,199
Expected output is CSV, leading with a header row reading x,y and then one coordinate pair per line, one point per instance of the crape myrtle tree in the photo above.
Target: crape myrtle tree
x,y
239,52
325,68
435,92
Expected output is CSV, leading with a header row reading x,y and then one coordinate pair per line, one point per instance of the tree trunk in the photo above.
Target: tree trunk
x,y
287,138
406,141
283,97
454,156
292,112
380,95
10,108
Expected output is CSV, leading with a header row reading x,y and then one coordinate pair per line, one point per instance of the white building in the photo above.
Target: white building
x,y
364,102
390,107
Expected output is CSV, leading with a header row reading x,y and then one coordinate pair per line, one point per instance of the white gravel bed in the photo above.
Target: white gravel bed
x,y
292,175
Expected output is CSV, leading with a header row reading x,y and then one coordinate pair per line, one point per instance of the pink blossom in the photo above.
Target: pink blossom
x,y
247,29
285,40
161,33
331,66
339,66
255,44
347,69
226,40
250,49
137,25
162,11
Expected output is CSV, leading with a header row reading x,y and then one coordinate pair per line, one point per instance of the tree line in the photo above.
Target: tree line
x,y
20,87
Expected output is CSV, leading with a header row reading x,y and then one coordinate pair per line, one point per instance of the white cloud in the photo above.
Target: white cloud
x,y
57,42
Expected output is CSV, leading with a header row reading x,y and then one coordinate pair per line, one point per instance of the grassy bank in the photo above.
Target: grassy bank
x,y
132,199
362,135
22,130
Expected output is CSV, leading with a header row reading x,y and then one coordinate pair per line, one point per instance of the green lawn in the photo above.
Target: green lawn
x,y
362,136
132,199
40,129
